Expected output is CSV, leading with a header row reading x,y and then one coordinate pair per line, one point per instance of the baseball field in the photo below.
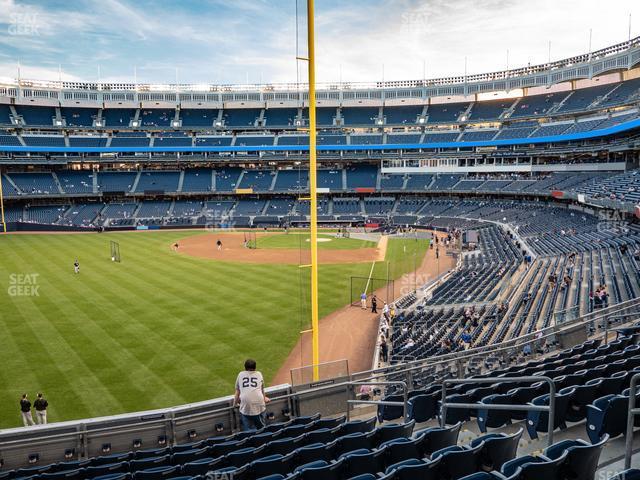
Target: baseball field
x,y
163,327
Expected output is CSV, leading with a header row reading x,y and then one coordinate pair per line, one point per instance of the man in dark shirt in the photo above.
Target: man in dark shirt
x,y
25,411
41,405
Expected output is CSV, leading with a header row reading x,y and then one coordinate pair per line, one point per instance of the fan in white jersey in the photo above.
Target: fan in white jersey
x,y
250,397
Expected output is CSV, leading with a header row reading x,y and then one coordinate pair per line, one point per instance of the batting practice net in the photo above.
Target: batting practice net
x,y
250,240
115,251
326,371
382,287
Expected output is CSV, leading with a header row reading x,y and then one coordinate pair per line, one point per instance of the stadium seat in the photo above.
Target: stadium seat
x,y
497,449
351,442
391,431
156,473
414,468
264,466
436,438
64,475
494,418
282,446
320,470
581,458
631,474
422,408
110,469
607,416
456,462
202,466
151,462
401,449
243,456
109,459
187,456
538,421
362,461
357,426
114,476
534,468
329,422
309,453
322,435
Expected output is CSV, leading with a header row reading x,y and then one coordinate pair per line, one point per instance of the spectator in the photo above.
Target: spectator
x,y
25,411
363,300
250,397
384,349
466,339
386,312
41,405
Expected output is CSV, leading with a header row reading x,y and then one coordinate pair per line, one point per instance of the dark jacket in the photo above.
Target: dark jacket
x,y
25,405
40,404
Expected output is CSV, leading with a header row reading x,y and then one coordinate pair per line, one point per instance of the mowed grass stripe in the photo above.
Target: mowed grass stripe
x,y
52,357
159,329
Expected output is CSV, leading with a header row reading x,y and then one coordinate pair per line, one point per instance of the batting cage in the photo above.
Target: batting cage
x,y
382,287
115,251
250,240
326,371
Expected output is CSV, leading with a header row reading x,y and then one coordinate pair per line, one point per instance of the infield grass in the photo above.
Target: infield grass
x,y
157,330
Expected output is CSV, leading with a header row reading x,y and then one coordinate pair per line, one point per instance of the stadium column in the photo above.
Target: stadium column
x,y
4,224
313,190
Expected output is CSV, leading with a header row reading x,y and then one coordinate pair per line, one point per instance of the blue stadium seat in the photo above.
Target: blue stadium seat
x,y
413,468
538,421
400,449
320,470
497,449
534,468
109,469
455,462
437,438
422,407
202,466
607,416
357,426
581,458
392,431
360,462
156,473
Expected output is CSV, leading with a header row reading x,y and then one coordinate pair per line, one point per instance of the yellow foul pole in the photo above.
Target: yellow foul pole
x,y
4,224
312,190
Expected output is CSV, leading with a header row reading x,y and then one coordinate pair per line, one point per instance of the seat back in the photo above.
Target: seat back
x,y
434,439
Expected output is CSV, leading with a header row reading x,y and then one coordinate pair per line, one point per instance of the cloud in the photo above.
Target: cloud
x,y
224,41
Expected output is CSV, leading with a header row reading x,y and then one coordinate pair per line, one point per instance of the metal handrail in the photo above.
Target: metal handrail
x,y
405,393
631,413
551,409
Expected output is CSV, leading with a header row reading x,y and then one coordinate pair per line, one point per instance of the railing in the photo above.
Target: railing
x,y
551,408
631,414
175,88
405,392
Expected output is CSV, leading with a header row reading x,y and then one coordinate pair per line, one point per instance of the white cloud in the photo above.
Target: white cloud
x,y
225,41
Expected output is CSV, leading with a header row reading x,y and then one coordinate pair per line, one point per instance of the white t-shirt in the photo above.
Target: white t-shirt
x,y
251,398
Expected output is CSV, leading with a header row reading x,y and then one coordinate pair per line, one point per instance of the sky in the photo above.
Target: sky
x,y
254,41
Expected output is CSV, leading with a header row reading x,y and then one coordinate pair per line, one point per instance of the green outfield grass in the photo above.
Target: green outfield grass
x,y
157,330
